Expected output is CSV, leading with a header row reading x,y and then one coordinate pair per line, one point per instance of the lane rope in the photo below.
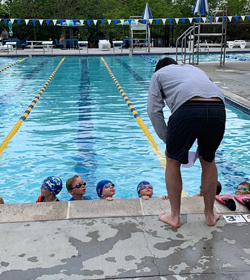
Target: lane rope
x,y
28,110
142,125
21,60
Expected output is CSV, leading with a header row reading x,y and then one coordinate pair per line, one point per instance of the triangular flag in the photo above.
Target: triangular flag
x,y
19,21
204,19
61,21
236,18
27,21
109,21
12,20
122,21
210,19
177,20
170,20
115,21
54,21
150,20
102,21
230,18
183,20
157,21
74,21
95,21
88,21
216,19
163,20
34,21
144,21
136,21
5,20
243,18
68,22
197,19
248,17
47,21
41,21
129,21
190,20
81,21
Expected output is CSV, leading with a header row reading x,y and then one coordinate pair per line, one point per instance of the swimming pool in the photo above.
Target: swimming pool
x,y
81,125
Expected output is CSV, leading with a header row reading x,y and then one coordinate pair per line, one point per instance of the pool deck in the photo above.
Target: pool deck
x,y
123,239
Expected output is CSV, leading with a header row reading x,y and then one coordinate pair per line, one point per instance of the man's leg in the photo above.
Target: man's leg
x,y
209,178
174,188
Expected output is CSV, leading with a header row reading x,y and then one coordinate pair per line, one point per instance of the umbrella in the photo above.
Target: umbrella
x,y
147,13
146,16
200,7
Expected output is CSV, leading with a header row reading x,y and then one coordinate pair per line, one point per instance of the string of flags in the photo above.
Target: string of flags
x,y
74,22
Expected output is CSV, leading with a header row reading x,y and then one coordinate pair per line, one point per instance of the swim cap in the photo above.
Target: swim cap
x,y
100,185
53,184
141,184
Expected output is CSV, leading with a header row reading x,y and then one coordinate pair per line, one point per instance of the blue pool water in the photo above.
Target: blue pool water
x,y
81,125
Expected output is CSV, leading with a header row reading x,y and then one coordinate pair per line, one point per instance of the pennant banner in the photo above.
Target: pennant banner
x,y
136,21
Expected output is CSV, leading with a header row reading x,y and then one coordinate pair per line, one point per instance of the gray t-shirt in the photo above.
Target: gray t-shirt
x,y
173,85
5,34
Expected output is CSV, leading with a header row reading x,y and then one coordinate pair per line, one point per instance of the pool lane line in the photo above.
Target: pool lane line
x,y
28,110
149,59
21,60
141,123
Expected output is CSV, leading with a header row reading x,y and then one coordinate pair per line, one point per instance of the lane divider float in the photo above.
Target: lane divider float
x,y
149,59
141,123
21,60
28,110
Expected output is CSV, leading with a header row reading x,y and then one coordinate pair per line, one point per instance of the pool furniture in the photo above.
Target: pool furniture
x,y
104,45
117,45
24,44
11,46
47,46
71,43
236,43
58,44
82,45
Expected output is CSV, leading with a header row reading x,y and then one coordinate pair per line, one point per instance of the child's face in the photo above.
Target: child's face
x,y
78,187
45,192
146,191
108,190
242,190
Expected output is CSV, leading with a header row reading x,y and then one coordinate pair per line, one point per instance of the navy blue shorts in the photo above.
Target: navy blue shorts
x,y
201,120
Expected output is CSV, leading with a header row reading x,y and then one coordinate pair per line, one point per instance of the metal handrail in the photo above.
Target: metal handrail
x,y
183,38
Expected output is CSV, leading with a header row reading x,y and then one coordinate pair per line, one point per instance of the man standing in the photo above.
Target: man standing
x,y
197,108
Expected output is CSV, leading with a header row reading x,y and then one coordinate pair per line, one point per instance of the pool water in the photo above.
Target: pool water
x,y
81,125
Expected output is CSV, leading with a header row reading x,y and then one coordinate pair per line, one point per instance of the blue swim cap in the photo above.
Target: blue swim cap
x,y
100,186
141,184
53,184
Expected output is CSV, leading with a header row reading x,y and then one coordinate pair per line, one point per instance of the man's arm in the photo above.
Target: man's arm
x,y
155,109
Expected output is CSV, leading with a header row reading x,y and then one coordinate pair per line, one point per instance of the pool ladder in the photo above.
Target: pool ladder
x,y
190,41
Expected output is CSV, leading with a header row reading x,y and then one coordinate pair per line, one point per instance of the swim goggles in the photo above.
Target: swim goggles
x,y
79,185
242,188
143,187
45,187
108,185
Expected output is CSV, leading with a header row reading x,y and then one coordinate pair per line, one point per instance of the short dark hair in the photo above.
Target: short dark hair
x,y
219,187
164,62
70,181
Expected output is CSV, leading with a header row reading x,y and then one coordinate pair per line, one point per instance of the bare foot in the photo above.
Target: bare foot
x,y
212,219
166,218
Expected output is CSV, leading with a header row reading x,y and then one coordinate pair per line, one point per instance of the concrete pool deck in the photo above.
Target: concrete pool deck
x,y
123,239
